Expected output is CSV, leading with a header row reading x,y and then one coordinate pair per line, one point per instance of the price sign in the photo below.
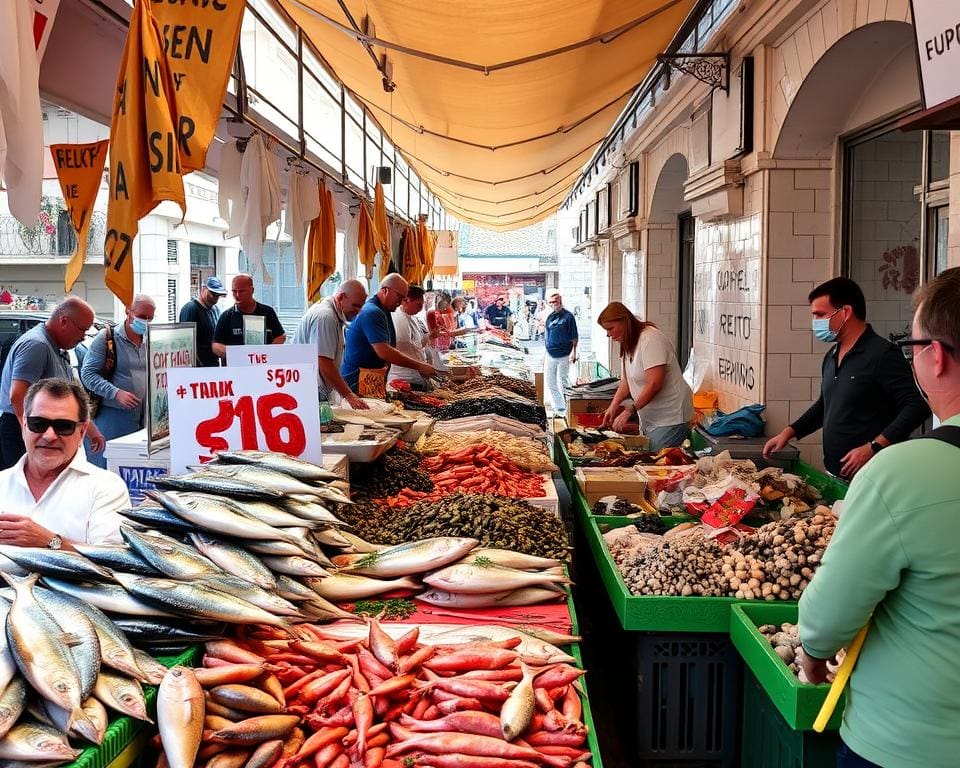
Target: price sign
x,y
272,354
267,408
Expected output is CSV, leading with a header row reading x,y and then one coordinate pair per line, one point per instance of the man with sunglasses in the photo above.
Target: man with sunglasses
x,y
371,338
867,396
894,563
41,353
53,497
322,327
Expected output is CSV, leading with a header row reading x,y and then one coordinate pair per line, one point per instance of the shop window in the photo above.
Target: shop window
x,y
203,264
939,235
939,148
285,294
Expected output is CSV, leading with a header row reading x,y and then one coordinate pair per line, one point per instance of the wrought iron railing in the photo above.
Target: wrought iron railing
x,y
51,236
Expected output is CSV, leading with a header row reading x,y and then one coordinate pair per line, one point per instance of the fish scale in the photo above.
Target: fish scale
x,y
85,650
281,462
413,557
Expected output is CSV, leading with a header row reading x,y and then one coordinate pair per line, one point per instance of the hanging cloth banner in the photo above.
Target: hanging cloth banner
x,y
201,44
381,224
44,12
366,238
144,162
79,170
322,245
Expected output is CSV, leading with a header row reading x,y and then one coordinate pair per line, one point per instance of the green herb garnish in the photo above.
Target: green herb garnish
x,y
367,561
482,561
398,608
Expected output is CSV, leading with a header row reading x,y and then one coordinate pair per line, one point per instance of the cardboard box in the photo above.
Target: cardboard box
x,y
575,407
538,386
625,482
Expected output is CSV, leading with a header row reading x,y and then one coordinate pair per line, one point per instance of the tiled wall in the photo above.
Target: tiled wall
x,y
662,251
634,270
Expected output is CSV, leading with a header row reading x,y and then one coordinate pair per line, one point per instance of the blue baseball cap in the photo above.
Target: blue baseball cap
x,y
215,285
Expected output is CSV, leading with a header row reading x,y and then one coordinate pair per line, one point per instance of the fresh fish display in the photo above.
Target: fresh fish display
x,y
214,483
118,557
121,694
280,462
167,555
412,557
471,578
111,598
235,560
84,644
157,518
180,714
36,742
515,597
53,562
219,517
278,482
508,558
346,586
13,699
292,565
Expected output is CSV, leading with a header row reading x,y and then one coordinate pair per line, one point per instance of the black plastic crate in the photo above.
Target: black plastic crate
x,y
688,699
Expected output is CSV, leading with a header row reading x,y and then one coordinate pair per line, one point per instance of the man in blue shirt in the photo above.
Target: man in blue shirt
x,y
562,337
371,339
498,314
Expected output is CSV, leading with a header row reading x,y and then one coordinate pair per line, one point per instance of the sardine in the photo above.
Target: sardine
x,y
117,557
517,711
220,518
279,482
41,650
474,578
280,462
158,518
13,699
36,742
145,630
234,560
53,562
107,597
514,597
167,555
180,713
92,729
412,557
294,566
309,509
348,586
510,559
196,600
74,620
121,694
215,483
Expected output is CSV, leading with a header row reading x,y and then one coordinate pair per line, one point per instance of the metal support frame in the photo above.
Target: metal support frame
x,y
712,69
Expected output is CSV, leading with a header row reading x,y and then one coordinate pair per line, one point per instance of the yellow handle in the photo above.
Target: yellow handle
x,y
840,680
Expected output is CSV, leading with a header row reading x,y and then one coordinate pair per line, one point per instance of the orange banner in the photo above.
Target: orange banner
x,y
79,170
144,161
322,244
200,41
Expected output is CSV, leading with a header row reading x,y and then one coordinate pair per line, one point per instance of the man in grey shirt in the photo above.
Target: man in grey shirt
x,y
322,326
40,354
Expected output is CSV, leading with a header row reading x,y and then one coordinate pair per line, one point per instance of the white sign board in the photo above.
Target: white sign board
x,y
272,354
267,408
937,26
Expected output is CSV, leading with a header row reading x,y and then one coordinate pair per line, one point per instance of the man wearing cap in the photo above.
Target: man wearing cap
x,y
203,311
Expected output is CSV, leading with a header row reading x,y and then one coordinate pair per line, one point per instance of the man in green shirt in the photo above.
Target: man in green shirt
x,y
895,561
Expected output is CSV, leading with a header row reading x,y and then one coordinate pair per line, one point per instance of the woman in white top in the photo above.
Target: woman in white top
x,y
651,377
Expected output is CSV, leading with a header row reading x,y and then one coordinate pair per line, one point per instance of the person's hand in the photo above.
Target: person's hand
x,y
620,423
357,402
22,531
573,357
854,460
813,670
127,400
434,334
609,415
426,370
97,442
777,443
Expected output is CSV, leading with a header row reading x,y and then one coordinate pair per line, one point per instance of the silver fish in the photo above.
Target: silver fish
x,y
152,668
74,620
361,545
474,578
517,711
36,742
291,589
281,462
157,518
180,712
41,648
205,481
276,548
106,597
117,556
348,586
169,556
52,562
332,538
157,631
257,509
222,519
8,667
12,702
92,729
121,694
510,559
413,557
262,598
260,476
320,609
309,509
294,566
197,600
515,597
234,560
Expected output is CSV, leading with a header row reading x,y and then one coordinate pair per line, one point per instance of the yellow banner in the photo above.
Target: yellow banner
x,y
322,244
200,39
79,170
144,162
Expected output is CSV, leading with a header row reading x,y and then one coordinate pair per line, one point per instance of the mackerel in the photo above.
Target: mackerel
x,y
280,462
122,695
219,517
13,699
106,597
120,557
412,557
158,518
279,482
36,742
206,481
52,562
169,556
74,620
234,560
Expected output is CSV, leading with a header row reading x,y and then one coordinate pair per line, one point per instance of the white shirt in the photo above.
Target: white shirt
x,y
673,404
411,335
322,326
81,504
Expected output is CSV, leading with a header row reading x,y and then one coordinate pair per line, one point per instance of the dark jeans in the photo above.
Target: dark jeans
x,y
11,441
847,758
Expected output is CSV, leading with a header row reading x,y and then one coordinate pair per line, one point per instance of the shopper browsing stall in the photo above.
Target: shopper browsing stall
x,y
651,378
413,338
894,562
232,327
867,396
204,312
322,327
53,497
442,324
561,344
115,370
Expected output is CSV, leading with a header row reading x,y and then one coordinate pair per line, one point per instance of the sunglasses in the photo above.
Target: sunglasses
x,y
63,427
908,347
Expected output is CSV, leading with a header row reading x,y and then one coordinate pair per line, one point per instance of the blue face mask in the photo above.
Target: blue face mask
x,y
139,326
822,330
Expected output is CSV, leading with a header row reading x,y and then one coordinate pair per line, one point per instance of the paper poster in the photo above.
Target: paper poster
x,y
169,346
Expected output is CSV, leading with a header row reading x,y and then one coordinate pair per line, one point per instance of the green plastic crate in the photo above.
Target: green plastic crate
x,y
798,703
831,488
768,741
592,743
119,747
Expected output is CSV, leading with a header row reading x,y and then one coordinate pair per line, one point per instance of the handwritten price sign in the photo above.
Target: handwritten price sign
x,y
272,354
268,408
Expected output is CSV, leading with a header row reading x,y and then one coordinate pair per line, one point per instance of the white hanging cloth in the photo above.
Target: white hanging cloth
x,y
260,189
349,225
229,196
303,206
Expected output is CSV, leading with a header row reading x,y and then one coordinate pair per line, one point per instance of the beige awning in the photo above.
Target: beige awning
x,y
499,147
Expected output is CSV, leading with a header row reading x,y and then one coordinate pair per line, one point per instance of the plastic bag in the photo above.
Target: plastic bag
x,y
745,422
696,371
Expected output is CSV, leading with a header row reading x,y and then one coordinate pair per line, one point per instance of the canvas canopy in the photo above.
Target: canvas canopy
x,y
498,104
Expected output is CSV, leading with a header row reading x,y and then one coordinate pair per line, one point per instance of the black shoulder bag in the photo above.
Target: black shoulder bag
x,y
106,371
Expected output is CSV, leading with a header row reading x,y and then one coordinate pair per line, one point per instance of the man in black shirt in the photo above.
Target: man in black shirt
x,y
231,325
498,314
203,311
868,398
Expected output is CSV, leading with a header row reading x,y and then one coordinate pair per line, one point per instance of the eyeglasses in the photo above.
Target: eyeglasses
x,y
907,347
63,427
400,295
76,324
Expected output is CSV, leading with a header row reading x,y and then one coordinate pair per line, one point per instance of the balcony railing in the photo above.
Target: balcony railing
x,y
51,236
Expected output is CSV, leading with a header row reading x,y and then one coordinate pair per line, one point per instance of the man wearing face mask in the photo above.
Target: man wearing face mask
x,y
124,387
867,396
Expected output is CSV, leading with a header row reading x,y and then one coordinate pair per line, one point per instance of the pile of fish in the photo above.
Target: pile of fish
x,y
387,698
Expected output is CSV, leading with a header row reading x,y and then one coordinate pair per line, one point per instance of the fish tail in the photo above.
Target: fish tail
x,y
17,581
